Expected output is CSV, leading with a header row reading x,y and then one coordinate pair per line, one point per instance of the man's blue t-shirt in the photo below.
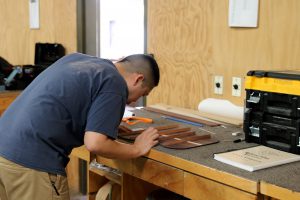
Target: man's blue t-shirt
x,y
78,93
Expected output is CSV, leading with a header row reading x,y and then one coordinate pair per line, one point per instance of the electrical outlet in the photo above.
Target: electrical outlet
x,y
236,86
218,85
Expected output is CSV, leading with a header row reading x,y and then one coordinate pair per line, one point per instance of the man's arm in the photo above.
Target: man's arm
x,y
102,145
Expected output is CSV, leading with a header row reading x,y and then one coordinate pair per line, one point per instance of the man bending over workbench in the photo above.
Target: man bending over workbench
x,y
78,100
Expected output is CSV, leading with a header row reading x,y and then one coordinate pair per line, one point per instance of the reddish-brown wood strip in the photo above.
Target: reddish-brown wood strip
x,y
175,130
168,136
178,135
192,144
124,129
164,132
127,131
161,128
129,137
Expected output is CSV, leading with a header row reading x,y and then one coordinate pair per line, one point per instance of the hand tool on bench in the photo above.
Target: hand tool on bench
x,y
134,120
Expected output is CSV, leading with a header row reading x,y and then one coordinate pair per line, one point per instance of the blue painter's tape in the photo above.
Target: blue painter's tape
x,y
182,121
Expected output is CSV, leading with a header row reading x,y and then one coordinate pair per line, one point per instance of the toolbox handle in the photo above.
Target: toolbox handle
x,y
279,111
257,73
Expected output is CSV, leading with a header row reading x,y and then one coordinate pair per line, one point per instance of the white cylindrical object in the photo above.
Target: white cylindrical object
x,y
222,108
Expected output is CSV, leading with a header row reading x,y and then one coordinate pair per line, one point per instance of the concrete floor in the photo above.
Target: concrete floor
x,y
78,197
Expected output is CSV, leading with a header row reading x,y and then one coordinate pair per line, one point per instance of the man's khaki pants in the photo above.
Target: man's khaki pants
x,y
21,183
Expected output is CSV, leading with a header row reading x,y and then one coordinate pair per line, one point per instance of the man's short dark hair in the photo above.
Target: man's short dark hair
x,y
144,64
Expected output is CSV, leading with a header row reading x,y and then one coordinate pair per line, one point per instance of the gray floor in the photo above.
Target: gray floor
x,y
78,197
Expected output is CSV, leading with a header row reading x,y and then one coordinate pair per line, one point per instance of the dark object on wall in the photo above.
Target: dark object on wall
x,y
45,55
272,109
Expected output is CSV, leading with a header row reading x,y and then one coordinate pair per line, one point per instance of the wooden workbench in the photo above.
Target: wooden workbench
x,y
161,170
192,173
182,177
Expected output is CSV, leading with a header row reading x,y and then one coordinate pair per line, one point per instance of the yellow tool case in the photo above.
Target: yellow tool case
x,y
272,109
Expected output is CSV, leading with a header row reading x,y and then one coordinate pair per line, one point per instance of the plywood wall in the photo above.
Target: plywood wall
x,y
192,43
17,40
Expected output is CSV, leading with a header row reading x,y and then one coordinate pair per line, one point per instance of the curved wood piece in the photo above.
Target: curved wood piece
x,y
189,144
177,135
177,140
172,131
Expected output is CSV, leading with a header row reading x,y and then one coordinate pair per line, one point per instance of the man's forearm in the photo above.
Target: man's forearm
x,y
104,146
117,150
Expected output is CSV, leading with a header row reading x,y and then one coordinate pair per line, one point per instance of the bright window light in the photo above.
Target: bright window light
x,y
121,28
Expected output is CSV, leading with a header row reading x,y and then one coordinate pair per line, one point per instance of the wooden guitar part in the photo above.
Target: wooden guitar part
x,y
176,135
162,137
171,136
129,137
161,128
133,134
172,131
176,140
126,131
192,144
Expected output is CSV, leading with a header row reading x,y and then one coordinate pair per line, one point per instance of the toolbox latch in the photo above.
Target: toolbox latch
x,y
254,98
254,131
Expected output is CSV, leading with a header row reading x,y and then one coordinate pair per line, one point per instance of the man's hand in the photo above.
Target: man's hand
x,y
146,140
102,145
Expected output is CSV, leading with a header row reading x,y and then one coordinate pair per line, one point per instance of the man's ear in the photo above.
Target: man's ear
x,y
138,78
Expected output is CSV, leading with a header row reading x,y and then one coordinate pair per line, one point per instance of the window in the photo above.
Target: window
x,y
121,28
